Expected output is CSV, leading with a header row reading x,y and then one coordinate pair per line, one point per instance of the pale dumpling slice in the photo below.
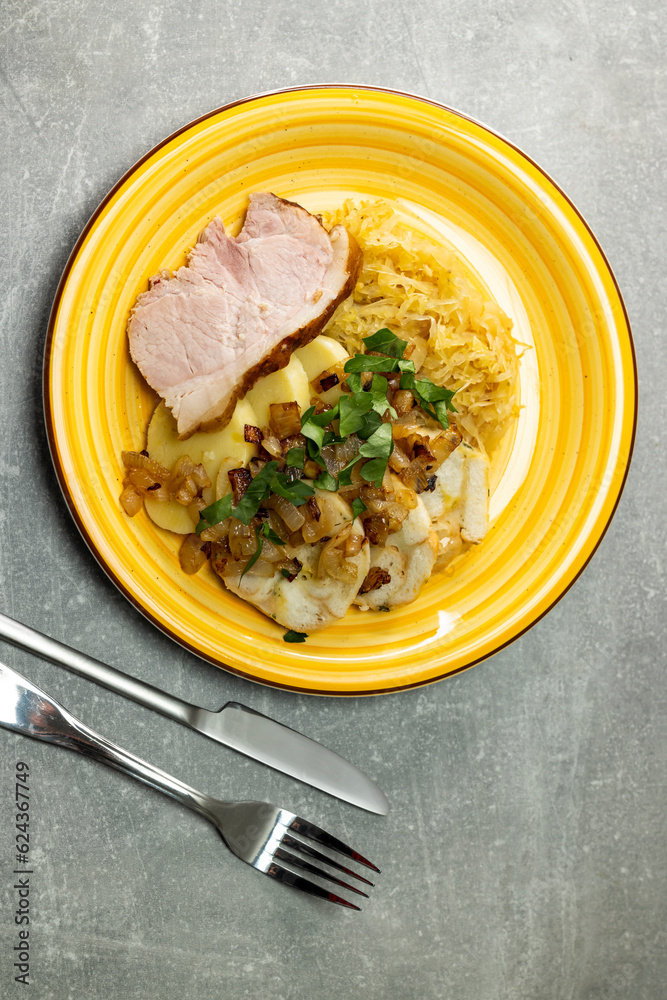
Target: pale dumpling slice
x,y
319,355
284,386
408,557
459,504
309,602
207,449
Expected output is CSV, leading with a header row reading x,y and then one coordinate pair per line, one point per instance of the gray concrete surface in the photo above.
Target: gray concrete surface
x,y
525,854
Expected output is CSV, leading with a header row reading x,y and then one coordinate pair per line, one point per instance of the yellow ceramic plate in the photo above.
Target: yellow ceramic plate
x,y
556,485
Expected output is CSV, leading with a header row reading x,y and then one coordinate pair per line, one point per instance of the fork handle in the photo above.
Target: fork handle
x,y
26,709
87,666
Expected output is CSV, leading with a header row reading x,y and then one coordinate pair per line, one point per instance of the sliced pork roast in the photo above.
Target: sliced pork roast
x,y
202,337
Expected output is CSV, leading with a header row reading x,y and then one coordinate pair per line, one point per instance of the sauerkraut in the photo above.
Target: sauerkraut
x,y
421,291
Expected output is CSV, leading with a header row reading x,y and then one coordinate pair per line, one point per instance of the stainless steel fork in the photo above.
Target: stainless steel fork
x,y
262,835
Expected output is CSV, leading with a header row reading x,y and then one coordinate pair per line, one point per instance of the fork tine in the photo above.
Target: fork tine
x,y
307,829
292,859
288,841
299,882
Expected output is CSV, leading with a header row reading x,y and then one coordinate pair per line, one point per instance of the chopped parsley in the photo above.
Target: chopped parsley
x,y
358,506
295,458
269,533
386,342
293,636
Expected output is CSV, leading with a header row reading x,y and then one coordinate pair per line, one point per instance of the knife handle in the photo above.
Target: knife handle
x,y
26,709
94,670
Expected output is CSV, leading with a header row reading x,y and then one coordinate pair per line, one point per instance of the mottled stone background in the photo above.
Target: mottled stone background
x,y
525,854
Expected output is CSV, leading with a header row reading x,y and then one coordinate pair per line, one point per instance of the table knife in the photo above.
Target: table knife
x,y
234,725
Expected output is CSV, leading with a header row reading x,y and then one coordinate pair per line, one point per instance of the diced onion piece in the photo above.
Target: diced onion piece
x,y
240,480
377,502
262,567
333,561
238,534
271,552
403,401
272,444
398,460
141,479
277,524
183,469
353,544
376,527
317,528
345,451
216,532
375,578
252,434
135,460
259,568
200,476
444,444
407,498
186,492
131,501
255,465
290,514
285,419
195,509
311,469
415,476
320,405
192,555
220,556
328,454
325,380
248,546
293,441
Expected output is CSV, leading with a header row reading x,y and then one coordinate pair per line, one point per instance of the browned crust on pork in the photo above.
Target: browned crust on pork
x,y
280,355
294,204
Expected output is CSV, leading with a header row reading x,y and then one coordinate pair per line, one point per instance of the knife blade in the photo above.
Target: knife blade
x,y
243,729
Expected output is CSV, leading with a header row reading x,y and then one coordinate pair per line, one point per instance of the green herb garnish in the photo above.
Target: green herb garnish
x,y
269,533
295,458
325,481
378,394
433,399
365,363
294,490
214,513
386,342
353,410
313,424
293,636
257,491
358,506
378,447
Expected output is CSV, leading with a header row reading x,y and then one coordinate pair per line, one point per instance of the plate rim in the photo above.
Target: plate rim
x,y
51,437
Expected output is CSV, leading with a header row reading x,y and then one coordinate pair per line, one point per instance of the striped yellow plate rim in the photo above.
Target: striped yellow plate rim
x,y
557,480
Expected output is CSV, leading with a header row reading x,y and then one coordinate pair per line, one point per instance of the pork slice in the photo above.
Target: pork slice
x,y
202,337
